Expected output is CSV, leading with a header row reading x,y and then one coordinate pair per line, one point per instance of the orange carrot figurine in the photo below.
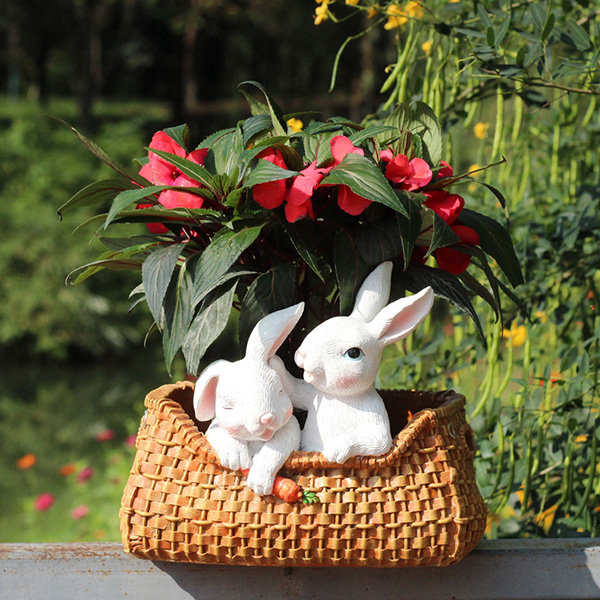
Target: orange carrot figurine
x,y
289,491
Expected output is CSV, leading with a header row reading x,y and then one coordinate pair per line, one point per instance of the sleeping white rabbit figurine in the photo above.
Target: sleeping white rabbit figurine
x,y
253,427
340,357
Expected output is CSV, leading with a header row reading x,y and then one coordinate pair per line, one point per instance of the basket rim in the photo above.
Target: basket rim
x,y
163,400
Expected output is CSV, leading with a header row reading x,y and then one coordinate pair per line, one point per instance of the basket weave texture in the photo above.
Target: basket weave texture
x,y
418,505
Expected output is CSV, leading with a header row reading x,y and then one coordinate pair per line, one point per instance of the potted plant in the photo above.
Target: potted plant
x,y
261,217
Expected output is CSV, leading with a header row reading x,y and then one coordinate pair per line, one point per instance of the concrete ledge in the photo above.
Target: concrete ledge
x,y
496,570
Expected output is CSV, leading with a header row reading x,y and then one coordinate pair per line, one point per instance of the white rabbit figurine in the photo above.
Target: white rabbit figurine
x,y
252,426
340,357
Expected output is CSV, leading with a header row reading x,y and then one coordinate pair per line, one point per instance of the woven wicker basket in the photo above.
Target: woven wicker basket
x,y
416,506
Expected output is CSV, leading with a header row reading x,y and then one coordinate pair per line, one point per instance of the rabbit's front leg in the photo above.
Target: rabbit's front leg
x,y
374,442
233,454
301,394
271,456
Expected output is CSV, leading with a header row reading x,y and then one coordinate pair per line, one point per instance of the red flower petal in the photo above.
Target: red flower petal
x,y
198,156
177,199
398,169
341,146
146,171
451,260
446,205
386,155
446,170
466,234
270,194
350,202
421,174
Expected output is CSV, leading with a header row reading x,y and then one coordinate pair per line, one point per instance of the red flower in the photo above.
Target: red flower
x,y
299,196
452,260
409,175
85,474
348,201
80,511
160,172
446,205
43,502
271,194
446,170
105,435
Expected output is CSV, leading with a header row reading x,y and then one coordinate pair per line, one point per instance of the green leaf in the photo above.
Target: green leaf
x,y
225,154
350,269
378,241
444,284
266,171
233,273
302,245
273,110
480,290
255,126
410,226
179,133
442,233
99,191
538,16
208,324
127,259
372,131
157,271
548,27
364,179
217,258
579,35
187,167
425,124
97,151
271,291
483,15
124,199
178,314
495,241
490,36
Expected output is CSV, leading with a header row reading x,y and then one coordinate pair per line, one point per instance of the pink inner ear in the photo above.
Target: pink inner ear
x,y
205,409
396,322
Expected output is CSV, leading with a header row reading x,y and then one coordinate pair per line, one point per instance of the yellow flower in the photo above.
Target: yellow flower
x,y
372,12
352,2
399,15
426,47
321,12
541,315
582,438
295,125
546,518
480,130
474,167
516,335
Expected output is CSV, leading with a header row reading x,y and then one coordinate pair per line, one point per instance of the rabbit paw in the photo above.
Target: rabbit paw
x,y
338,450
260,481
232,453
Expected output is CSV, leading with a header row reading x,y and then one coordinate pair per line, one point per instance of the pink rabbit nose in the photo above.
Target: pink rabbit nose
x,y
267,418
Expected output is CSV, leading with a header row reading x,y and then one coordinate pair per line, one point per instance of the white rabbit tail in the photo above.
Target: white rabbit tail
x,y
253,426
341,357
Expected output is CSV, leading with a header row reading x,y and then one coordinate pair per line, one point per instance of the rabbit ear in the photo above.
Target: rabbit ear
x,y
271,331
374,293
400,318
205,393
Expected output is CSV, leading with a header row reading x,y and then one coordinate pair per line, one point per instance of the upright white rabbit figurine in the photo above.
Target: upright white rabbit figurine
x,y
340,357
253,426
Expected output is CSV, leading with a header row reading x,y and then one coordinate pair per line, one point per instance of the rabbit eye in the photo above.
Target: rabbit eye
x,y
354,353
